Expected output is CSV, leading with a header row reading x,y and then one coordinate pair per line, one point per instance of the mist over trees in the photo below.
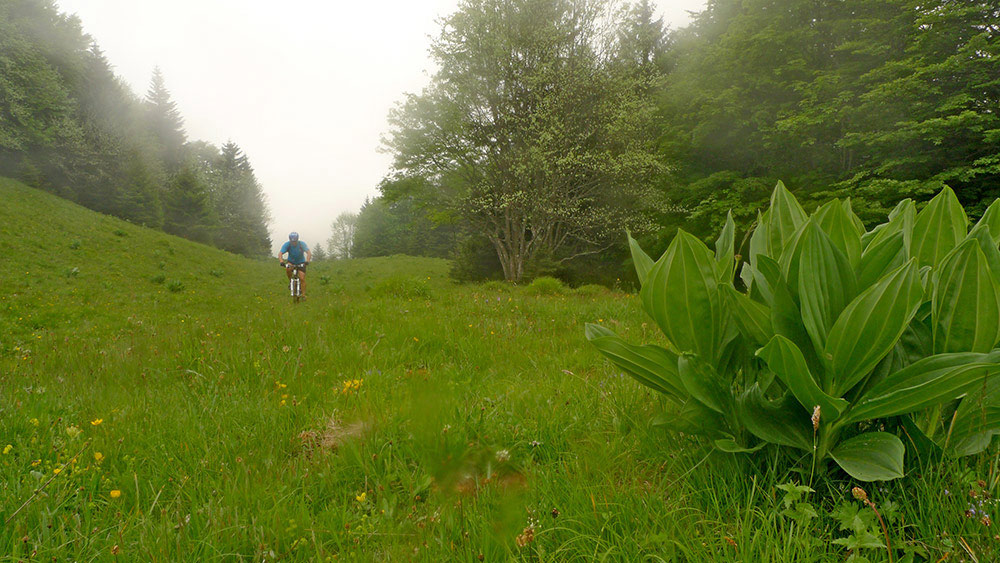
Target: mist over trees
x,y
554,125
70,126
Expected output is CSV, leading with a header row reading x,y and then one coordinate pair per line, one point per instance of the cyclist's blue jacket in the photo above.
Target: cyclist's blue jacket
x,y
296,254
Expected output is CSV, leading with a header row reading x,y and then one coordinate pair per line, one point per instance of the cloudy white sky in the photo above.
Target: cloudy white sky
x,y
303,86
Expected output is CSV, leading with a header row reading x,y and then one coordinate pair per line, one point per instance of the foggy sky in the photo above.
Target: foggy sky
x,y
303,86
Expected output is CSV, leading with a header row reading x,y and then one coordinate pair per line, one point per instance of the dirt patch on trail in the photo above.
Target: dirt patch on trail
x,y
332,436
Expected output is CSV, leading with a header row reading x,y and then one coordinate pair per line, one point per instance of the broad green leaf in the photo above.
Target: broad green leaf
x,y
916,440
786,319
965,303
643,263
874,456
782,422
991,220
681,294
728,444
870,326
836,221
928,382
752,318
855,220
758,247
695,418
826,283
939,227
702,382
880,258
786,216
786,360
790,259
725,250
653,366
988,245
901,220
976,420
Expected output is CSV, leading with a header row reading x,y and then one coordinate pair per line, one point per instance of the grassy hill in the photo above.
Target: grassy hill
x,y
163,400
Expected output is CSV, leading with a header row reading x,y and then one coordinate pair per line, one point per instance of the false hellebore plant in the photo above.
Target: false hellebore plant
x,y
840,335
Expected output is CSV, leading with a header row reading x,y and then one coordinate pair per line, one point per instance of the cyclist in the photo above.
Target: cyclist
x,y
299,254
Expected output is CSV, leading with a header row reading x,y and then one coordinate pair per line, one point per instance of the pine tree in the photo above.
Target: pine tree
x,y
165,121
188,212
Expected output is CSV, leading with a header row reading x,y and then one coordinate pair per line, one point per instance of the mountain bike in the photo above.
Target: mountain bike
x,y
295,284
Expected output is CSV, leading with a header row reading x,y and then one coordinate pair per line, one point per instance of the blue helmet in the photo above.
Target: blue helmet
x,y
293,236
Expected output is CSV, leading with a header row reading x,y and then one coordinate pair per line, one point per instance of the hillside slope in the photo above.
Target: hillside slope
x,y
185,409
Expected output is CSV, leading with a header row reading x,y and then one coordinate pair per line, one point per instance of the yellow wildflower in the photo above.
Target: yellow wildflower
x,y
34,421
36,463
57,471
7,449
98,457
116,493
361,497
96,421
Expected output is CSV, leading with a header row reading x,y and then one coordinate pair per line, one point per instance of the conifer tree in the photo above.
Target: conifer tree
x,y
165,121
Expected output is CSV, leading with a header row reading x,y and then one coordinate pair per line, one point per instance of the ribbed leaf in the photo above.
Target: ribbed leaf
x,y
870,326
939,227
875,456
786,319
728,444
826,283
928,382
786,361
681,295
978,415
653,366
786,216
991,220
880,258
782,422
752,318
988,244
836,221
965,304
702,382
855,220
725,250
901,220
642,262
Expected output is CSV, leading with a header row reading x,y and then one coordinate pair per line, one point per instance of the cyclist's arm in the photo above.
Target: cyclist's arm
x,y
309,255
281,257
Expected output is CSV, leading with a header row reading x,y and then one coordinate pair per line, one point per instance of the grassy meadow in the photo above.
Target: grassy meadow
x,y
162,400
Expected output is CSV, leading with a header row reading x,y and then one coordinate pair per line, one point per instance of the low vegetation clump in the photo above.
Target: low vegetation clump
x,y
545,285
842,341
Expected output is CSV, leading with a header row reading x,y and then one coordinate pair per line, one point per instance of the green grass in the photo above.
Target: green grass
x,y
392,416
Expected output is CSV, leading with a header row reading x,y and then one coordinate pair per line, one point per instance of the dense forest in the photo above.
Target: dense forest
x,y
552,126
70,126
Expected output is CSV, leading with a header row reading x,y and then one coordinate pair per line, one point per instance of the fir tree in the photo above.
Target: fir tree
x,y
165,120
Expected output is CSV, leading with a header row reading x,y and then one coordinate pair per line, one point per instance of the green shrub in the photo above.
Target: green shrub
x,y
545,285
590,290
120,233
72,272
75,245
842,335
216,273
158,278
407,288
175,286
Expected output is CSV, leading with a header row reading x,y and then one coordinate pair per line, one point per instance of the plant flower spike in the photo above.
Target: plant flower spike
x,y
895,327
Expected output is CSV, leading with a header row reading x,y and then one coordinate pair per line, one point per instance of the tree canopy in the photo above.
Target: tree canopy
x,y
69,125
